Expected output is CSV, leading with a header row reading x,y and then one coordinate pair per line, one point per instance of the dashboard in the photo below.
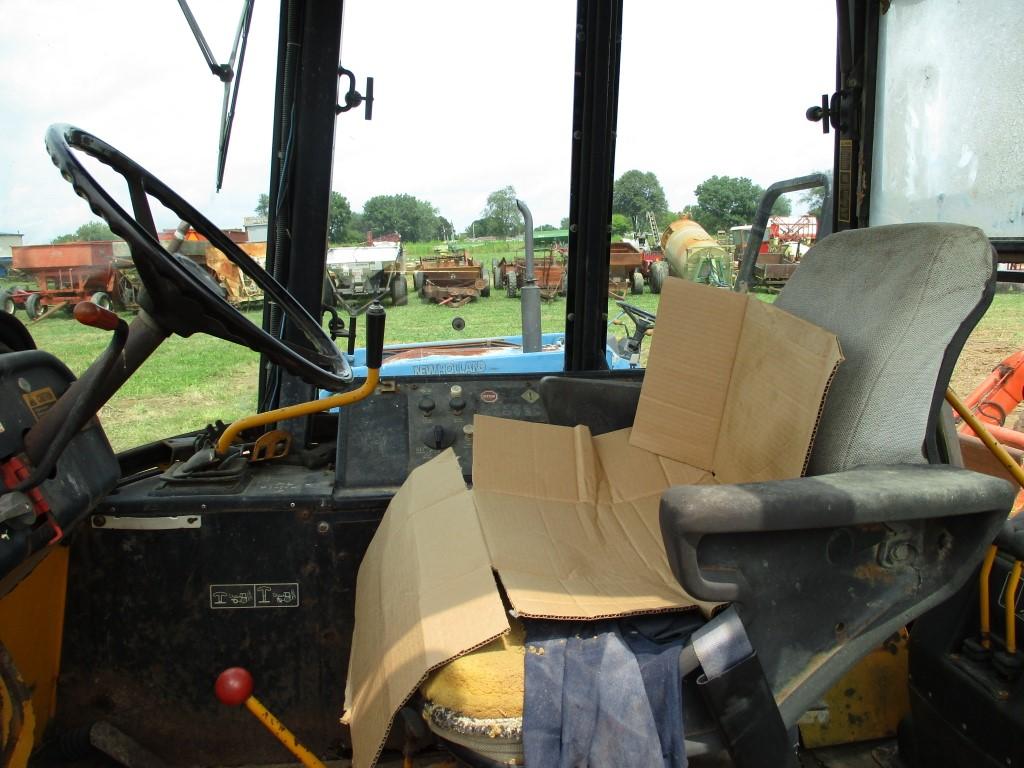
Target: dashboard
x,y
383,438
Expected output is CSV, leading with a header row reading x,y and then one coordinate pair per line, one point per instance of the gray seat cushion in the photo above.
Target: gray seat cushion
x,y
902,300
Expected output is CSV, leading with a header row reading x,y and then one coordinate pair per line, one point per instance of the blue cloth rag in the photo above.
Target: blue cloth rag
x,y
607,693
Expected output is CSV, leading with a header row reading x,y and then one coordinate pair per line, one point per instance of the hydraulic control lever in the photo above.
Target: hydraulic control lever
x,y
234,687
375,317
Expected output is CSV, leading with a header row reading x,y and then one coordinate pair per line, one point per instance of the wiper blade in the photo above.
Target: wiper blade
x,y
226,73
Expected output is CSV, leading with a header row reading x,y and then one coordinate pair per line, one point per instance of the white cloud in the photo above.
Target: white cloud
x,y
471,96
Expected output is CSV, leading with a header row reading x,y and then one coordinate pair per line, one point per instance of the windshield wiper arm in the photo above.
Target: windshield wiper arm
x,y
225,73
222,71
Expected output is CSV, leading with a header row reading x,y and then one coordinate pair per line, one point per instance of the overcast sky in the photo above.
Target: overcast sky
x,y
471,96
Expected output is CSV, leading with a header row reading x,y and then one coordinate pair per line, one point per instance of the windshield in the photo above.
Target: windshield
x,y
471,114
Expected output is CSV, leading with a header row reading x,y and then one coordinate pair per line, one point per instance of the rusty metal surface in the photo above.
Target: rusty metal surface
x,y
625,255
549,271
36,257
867,703
239,287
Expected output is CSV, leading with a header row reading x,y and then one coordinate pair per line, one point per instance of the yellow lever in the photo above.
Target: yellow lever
x,y
374,359
234,687
986,574
295,411
986,437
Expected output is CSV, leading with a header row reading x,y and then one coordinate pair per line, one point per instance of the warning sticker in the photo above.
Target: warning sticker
x,y
39,401
265,595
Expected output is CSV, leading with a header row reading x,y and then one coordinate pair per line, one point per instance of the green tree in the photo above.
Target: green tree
x,y
564,223
486,227
545,228
415,220
814,199
339,214
728,201
636,193
445,229
91,231
501,216
263,205
356,231
621,225
782,207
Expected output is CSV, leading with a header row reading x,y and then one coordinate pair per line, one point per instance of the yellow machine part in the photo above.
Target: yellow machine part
x,y
683,234
867,703
32,627
17,725
686,246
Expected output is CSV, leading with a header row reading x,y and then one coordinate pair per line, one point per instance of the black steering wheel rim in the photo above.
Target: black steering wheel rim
x,y
637,312
180,300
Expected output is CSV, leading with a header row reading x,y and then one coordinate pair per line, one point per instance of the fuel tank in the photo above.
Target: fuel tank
x,y
693,254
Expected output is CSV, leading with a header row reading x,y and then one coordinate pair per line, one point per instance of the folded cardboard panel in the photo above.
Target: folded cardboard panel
x,y
585,543
425,594
733,385
688,370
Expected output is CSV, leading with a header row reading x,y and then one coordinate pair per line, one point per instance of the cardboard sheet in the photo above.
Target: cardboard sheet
x,y
784,366
733,385
571,521
425,594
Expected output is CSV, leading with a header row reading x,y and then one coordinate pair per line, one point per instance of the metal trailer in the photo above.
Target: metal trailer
x,y
356,276
65,274
239,289
625,270
451,278
549,271
785,240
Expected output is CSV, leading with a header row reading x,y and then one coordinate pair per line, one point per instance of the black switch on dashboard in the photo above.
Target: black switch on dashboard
x,y
426,405
438,437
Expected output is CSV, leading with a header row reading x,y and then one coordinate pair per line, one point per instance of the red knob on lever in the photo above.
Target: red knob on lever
x,y
90,314
233,686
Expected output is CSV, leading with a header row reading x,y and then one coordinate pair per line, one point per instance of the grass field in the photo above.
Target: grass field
x,y
190,382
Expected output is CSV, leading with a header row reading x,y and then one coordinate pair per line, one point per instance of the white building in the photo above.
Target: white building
x,y
7,239
256,228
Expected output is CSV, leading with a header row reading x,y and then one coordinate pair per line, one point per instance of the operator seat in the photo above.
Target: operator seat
x,y
819,570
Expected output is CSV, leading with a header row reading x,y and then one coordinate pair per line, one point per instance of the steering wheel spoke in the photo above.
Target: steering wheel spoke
x,y
178,296
140,204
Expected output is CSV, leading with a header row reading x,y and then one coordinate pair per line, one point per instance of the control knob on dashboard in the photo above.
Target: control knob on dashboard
x,y
438,437
426,405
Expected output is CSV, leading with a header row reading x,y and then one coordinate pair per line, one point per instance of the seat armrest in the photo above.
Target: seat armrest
x,y
863,496
822,569
871,494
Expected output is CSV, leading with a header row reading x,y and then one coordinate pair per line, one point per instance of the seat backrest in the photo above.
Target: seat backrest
x,y
902,299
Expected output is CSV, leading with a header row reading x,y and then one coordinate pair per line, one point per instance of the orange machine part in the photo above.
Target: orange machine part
x,y
996,397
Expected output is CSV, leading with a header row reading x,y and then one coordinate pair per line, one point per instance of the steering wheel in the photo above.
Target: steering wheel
x,y
636,314
179,295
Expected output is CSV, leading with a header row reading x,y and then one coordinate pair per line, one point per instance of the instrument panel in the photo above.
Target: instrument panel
x,y
383,438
